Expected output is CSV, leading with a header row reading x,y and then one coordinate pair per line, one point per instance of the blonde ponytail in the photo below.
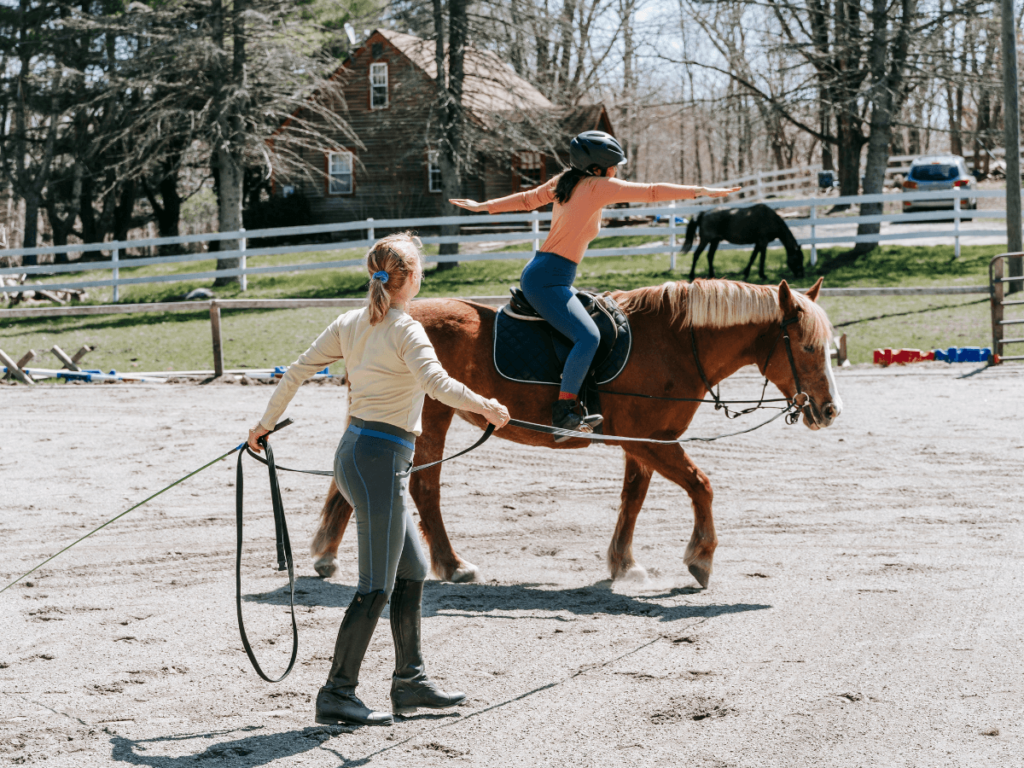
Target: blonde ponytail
x,y
390,263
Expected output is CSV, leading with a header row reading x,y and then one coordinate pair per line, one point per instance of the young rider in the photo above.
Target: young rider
x,y
578,195
390,364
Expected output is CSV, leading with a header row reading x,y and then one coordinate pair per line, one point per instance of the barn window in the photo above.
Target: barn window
x,y
434,171
339,172
528,170
378,86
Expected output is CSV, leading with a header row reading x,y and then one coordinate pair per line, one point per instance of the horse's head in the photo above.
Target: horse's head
x,y
800,364
795,260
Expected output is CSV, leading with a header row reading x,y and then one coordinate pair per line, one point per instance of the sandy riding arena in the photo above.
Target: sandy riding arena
x,y
865,610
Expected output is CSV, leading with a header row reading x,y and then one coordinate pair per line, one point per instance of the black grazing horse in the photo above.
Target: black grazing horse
x,y
757,224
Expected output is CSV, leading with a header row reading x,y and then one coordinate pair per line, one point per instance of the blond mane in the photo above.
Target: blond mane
x,y
724,303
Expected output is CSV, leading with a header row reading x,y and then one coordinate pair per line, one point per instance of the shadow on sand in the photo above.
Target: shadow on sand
x,y
499,601
247,751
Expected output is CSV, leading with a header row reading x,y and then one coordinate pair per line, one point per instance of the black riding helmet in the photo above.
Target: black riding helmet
x,y
598,148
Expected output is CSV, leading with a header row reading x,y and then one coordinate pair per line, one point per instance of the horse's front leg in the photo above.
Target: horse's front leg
x,y
750,264
760,266
425,488
634,490
674,464
334,519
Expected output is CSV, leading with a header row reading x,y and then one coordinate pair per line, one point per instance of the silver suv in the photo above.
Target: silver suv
x,y
936,172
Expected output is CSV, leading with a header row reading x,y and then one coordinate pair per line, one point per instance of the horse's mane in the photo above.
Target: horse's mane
x,y
724,303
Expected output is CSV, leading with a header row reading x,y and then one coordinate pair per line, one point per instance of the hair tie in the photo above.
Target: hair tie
x,y
382,276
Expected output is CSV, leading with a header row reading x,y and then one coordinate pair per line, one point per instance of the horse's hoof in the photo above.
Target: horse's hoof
x,y
326,566
466,573
702,575
634,573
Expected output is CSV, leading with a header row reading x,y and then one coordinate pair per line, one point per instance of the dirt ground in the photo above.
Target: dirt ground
x,y
865,609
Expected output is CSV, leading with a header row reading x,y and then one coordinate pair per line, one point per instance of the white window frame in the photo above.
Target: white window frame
x,y
434,169
337,173
379,79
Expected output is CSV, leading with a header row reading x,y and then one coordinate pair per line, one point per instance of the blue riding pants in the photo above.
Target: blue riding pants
x,y
547,283
369,455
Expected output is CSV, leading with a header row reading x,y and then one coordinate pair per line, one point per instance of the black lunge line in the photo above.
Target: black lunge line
x,y
284,555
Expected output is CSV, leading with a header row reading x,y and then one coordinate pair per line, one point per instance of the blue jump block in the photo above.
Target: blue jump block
x,y
964,354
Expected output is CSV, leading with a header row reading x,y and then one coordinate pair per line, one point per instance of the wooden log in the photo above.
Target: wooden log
x,y
51,296
218,350
61,355
19,374
82,353
26,358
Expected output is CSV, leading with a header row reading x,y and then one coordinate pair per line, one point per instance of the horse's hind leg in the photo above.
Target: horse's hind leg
x,y
711,258
334,519
425,488
696,256
634,490
673,463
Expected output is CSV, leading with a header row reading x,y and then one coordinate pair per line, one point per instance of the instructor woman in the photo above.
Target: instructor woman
x,y
578,195
390,364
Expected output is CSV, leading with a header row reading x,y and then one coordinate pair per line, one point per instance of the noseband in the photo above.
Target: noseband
x,y
793,416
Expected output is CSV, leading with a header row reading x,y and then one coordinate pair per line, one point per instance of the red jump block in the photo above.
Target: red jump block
x,y
888,356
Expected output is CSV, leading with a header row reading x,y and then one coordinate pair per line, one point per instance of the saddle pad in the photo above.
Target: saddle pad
x,y
532,352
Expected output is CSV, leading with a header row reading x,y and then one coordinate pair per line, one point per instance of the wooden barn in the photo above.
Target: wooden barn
x,y
389,91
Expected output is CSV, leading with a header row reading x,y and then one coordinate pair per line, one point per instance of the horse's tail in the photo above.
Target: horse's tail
x,y
691,231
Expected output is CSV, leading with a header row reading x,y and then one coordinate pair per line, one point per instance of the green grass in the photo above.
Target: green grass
x,y
256,339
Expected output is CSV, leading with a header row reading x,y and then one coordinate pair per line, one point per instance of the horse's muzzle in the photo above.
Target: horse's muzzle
x,y
819,418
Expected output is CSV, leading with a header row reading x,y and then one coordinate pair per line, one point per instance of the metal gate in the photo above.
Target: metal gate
x,y
998,292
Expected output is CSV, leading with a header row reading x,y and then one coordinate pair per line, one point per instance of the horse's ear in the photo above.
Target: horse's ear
x,y
815,289
786,301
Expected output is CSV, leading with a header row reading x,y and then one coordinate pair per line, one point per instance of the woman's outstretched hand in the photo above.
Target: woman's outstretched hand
x,y
255,434
720,192
496,414
469,205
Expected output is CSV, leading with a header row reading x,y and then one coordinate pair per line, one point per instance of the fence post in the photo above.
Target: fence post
x,y
814,234
218,350
995,281
114,258
535,228
369,230
243,282
956,223
672,236
760,192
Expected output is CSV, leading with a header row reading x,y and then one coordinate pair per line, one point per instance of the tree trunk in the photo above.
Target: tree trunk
x,y
452,150
887,90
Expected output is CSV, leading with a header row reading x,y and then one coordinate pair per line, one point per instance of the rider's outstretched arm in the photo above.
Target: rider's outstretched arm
x,y
618,191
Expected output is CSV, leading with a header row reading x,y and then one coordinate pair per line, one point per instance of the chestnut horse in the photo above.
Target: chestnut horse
x,y
735,324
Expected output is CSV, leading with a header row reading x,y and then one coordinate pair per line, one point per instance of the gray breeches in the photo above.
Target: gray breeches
x,y
367,459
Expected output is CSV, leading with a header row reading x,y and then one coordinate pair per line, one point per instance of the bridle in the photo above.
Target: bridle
x,y
795,407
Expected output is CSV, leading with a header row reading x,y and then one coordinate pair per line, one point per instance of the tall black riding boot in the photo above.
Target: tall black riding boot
x,y
565,415
410,687
337,702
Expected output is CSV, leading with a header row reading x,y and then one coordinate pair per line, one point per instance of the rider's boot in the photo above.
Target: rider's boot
x,y
565,414
410,686
337,703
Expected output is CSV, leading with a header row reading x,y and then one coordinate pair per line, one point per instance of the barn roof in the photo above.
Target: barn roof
x,y
490,87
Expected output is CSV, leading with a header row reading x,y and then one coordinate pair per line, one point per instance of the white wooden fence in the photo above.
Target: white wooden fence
x,y
811,230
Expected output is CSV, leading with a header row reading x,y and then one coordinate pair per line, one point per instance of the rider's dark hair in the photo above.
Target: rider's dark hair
x,y
568,180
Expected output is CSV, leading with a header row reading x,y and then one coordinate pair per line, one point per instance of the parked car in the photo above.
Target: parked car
x,y
936,172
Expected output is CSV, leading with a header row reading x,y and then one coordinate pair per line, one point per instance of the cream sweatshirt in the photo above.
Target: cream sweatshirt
x,y
389,368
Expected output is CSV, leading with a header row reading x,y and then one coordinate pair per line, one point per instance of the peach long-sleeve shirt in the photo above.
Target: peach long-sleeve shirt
x,y
389,366
577,222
